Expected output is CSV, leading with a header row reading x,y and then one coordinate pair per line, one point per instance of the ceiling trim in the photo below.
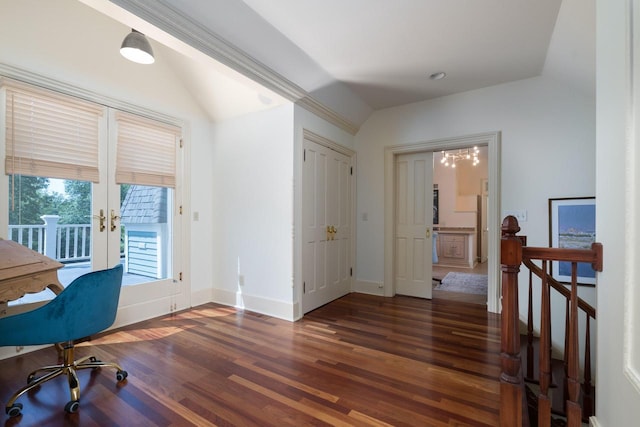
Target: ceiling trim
x,y
164,17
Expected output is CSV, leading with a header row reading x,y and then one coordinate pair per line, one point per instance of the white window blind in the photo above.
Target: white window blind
x,y
146,151
49,134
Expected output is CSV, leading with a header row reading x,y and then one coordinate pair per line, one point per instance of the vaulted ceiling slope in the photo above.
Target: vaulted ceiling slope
x,y
357,56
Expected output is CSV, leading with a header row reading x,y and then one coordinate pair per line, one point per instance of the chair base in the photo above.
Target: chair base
x,y
68,367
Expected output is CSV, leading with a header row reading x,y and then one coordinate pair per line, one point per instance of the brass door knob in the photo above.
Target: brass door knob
x,y
102,219
114,217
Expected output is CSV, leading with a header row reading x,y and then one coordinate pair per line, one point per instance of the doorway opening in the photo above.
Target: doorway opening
x,y
492,142
460,232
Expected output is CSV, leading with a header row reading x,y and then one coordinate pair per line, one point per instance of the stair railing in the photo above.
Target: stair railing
x,y
514,252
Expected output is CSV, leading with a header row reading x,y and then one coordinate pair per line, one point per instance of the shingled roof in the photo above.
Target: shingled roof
x,y
144,205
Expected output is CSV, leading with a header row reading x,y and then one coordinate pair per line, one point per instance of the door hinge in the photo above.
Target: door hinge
x,y
351,170
181,142
304,155
180,210
351,272
180,276
304,287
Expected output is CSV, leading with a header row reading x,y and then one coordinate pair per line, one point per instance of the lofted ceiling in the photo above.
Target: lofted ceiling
x,y
357,56
386,50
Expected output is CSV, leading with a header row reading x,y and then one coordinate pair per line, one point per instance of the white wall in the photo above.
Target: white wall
x,y
548,150
447,179
252,193
35,35
617,391
200,267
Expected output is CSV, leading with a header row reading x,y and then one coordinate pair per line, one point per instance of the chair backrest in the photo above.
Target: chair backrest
x,y
85,307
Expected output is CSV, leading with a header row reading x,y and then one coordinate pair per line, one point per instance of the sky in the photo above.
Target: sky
x,y
56,185
577,217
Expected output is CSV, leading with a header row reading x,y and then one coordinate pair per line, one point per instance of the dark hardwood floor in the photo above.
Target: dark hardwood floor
x,y
360,360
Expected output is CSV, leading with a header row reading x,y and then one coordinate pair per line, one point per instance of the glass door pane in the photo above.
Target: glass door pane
x,y
52,217
146,224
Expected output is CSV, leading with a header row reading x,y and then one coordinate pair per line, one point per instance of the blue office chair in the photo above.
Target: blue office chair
x,y
85,307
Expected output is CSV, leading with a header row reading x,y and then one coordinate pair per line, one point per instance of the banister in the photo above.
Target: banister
x,y
582,304
514,252
592,256
511,383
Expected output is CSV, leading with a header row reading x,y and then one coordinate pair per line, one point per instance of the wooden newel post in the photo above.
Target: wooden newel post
x,y
511,399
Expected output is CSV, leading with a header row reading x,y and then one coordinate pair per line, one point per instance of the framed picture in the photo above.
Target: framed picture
x,y
572,224
435,206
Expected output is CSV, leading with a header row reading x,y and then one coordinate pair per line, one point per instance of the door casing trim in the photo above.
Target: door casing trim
x,y
490,139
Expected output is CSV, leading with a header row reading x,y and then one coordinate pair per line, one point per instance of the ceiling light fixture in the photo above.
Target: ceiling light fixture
x,y
449,158
135,47
438,76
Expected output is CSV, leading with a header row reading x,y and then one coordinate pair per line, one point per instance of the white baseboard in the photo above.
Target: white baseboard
x,y
135,313
201,297
280,309
368,287
593,422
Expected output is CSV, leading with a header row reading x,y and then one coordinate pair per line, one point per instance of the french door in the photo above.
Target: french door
x,y
326,215
137,224
414,224
107,186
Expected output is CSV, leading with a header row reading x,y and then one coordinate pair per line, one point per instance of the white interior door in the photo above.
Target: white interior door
x,y
326,213
414,224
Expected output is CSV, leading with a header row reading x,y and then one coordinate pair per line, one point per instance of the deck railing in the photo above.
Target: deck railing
x,y
62,242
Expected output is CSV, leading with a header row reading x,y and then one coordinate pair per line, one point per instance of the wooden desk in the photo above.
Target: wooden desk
x,y
25,271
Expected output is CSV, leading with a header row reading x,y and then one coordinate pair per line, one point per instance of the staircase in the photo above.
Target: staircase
x,y
557,388
535,388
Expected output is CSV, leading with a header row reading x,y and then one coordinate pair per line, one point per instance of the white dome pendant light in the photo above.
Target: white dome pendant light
x,y
135,47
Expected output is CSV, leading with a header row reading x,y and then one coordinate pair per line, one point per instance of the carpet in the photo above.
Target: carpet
x,y
464,282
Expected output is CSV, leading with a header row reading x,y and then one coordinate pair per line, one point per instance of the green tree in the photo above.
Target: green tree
x,y
29,200
76,207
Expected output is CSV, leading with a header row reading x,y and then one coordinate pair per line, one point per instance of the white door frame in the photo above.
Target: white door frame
x,y
490,139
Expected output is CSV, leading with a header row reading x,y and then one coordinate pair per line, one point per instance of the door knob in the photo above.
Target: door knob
x,y
114,217
331,231
428,232
102,219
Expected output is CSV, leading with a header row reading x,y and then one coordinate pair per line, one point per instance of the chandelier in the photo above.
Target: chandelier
x,y
449,158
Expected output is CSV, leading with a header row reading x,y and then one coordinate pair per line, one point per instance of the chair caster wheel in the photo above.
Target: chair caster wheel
x,y
72,406
121,375
15,410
